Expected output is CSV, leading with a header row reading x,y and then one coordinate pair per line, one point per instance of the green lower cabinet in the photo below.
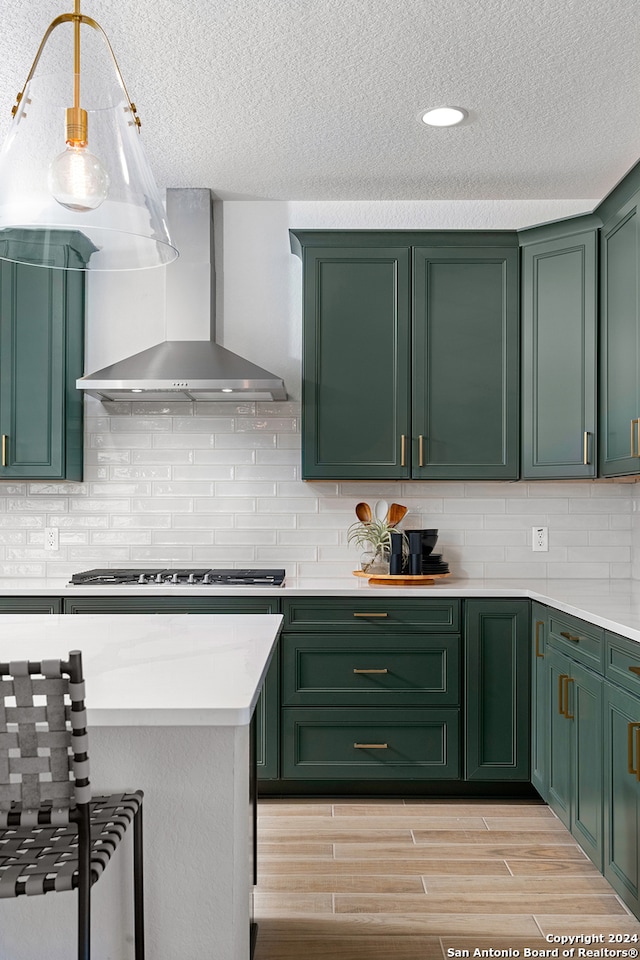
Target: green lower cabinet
x,y
267,719
30,605
343,670
370,744
539,701
575,745
622,794
497,724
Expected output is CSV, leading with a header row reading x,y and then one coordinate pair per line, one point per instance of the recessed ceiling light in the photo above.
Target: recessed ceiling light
x,y
444,116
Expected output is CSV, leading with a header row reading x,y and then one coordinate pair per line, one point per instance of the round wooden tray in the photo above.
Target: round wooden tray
x,y
402,579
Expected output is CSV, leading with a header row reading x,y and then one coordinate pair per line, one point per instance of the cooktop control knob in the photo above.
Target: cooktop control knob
x,y
142,578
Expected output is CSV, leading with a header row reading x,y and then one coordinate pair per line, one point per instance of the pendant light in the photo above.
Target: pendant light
x,y
73,171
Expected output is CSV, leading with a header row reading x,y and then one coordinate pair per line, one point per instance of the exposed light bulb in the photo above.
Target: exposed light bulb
x,y
77,179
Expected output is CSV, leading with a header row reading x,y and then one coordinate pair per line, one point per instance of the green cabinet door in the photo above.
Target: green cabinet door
x,y
497,729
41,356
620,343
575,748
465,362
622,794
30,605
559,351
539,701
355,389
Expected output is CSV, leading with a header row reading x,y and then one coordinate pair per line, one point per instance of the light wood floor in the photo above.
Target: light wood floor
x,y
410,880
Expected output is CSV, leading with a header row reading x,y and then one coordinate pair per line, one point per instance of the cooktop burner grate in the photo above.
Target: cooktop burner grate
x,y
203,576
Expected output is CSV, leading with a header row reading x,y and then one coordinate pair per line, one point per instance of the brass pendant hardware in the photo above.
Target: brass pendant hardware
x,y
634,771
563,695
568,636
371,614
421,451
371,746
403,451
76,18
635,670
384,670
4,449
539,623
585,449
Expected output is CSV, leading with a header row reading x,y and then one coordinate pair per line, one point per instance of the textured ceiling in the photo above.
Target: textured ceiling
x,y
320,99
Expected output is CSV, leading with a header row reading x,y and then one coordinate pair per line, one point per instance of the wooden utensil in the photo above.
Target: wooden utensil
x,y
363,512
395,514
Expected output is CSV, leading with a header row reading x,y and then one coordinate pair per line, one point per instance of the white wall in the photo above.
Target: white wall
x,y
219,483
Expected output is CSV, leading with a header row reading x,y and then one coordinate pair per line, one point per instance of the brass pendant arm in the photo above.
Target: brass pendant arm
x,y
90,22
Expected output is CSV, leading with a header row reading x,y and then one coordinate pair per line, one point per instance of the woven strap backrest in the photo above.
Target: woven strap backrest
x,y
43,739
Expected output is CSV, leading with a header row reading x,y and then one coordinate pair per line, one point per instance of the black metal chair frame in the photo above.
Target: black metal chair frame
x,y
45,794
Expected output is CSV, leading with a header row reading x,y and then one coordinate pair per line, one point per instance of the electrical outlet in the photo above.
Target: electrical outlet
x,y
51,538
540,538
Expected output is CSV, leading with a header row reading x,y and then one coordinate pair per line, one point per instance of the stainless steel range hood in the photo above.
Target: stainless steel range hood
x,y
186,369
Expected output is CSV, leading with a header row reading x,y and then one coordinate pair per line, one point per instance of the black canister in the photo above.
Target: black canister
x,y
415,552
395,560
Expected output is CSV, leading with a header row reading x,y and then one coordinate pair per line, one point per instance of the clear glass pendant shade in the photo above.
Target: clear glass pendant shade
x,y
103,189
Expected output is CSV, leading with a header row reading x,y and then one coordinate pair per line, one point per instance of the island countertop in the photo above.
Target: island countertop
x,y
155,670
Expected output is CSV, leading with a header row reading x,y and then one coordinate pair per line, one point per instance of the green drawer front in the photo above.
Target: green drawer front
x,y
622,662
369,615
579,640
362,671
171,605
30,605
322,744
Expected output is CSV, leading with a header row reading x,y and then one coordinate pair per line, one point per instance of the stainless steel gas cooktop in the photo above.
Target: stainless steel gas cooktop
x,y
196,577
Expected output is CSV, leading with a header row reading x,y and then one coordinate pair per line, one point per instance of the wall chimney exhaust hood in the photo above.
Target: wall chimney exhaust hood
x,y
195,369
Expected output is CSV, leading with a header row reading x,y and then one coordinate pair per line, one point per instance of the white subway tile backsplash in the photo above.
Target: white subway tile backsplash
x,y
216,482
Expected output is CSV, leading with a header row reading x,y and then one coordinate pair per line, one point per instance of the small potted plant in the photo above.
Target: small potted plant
x,y
373,537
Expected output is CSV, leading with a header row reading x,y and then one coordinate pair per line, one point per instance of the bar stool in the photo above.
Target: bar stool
x,y
54,835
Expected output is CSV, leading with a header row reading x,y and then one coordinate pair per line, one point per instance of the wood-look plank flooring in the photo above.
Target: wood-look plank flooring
x,y
413,880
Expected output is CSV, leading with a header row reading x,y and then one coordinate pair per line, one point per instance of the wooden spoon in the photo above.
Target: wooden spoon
x,y
363,512
396,513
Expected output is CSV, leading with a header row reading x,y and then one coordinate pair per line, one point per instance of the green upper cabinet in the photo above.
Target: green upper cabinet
x,y
41,356
620,342
356,363
559,300
410,357
465,362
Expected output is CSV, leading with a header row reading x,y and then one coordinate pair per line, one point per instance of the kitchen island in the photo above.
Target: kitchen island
x,y
170,700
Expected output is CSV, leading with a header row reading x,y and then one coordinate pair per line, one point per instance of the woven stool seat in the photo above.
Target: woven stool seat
x,y
54,835
42,858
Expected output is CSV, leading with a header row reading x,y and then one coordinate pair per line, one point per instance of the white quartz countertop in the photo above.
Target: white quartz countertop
x,y
157,669
611,604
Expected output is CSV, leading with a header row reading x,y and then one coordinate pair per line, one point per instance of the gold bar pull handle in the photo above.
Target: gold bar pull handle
x,y
371,614
562,677
384,670
539,623
585,448
4,449
421,451
403,450
638,752
568,636
635,670
630,767
371,746
634,446
568,715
